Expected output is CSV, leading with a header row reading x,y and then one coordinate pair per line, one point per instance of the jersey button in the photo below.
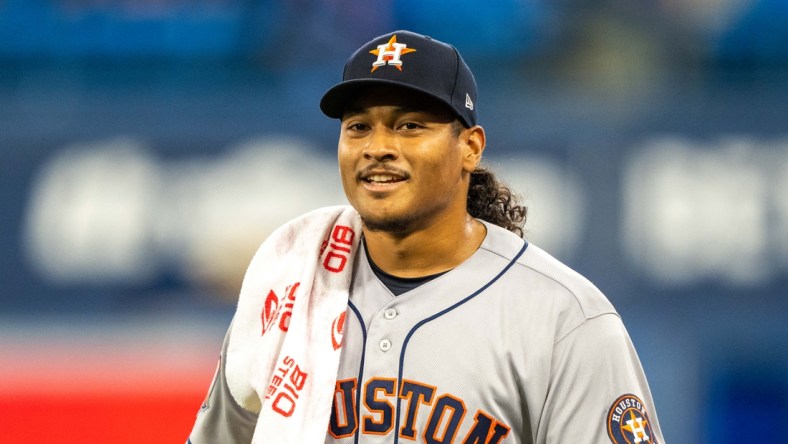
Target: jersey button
x,y
385,345
390,313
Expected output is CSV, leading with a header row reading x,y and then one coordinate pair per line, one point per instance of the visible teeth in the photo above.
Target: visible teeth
x,y
382,178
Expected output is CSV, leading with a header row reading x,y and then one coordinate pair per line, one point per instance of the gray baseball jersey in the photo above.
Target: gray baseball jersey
x,y
510,347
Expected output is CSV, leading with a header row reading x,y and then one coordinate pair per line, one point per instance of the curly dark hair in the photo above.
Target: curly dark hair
x,y
491,200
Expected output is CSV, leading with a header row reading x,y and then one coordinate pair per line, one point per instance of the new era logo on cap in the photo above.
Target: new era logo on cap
x,y
421,63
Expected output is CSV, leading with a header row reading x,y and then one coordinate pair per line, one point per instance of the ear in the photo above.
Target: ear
x,y
474,141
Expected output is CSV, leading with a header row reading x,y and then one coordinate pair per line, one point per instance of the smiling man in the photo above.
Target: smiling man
x,y
419,312
406,168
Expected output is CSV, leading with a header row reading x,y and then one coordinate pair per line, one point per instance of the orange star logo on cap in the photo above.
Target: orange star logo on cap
x,y
390,53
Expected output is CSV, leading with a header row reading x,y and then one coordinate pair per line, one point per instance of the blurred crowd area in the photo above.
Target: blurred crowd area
x,y
147,147
276,32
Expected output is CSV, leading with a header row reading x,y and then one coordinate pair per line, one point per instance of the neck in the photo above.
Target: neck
x,y
433,249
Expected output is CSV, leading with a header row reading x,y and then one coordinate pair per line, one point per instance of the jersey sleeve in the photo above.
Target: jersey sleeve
x,y
598,391
221,419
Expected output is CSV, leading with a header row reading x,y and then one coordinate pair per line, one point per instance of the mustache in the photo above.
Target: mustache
x,y
378,168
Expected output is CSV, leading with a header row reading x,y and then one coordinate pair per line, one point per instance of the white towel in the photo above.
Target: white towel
x,y
285,342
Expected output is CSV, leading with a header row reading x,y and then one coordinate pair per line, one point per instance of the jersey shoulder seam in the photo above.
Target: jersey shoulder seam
x,y
541,273
573,294
583,322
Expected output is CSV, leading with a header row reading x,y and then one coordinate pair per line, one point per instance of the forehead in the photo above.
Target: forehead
x,y
403,99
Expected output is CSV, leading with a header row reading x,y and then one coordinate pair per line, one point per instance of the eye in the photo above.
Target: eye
x,y
356,126
411,126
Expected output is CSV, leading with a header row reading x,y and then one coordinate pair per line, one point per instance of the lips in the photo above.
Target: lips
x,y
382,176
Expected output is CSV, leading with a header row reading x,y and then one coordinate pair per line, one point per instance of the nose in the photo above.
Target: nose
x,y
381,145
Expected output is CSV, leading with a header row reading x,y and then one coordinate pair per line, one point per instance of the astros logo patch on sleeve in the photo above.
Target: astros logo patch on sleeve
x,y
628,423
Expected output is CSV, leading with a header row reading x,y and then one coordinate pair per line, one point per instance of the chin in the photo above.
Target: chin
x,y
388,224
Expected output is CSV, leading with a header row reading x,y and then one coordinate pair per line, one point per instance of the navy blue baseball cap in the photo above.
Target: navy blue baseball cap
x,y
409,60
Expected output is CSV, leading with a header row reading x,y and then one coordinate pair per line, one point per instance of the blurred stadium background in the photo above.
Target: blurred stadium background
x,y
148,146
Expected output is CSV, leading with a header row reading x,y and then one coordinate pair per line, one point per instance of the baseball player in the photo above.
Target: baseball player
x,y
456,329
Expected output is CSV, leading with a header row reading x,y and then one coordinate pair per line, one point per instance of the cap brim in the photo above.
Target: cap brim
x,y
335,100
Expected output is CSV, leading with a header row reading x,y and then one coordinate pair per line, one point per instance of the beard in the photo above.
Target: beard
x,y
400,222
394,225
